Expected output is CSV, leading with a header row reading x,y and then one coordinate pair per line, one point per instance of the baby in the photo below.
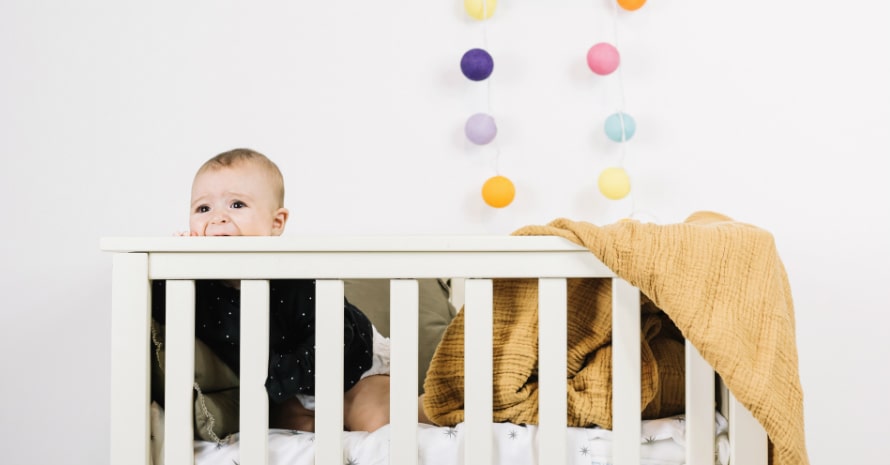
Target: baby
x,y
241,193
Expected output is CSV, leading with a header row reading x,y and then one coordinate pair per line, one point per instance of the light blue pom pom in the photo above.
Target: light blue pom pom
x,y
614,125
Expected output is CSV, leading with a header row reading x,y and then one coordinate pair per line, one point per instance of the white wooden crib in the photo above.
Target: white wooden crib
x,y
471,259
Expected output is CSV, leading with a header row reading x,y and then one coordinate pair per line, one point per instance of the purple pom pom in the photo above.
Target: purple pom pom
x,y
476,64
480,129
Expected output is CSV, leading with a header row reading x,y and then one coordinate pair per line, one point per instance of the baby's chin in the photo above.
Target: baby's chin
x,y
221,232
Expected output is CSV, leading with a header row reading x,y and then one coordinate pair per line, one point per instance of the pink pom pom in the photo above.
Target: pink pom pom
x,y
603,58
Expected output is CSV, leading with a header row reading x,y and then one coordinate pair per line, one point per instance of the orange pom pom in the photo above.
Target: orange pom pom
x,y
631,5
498,192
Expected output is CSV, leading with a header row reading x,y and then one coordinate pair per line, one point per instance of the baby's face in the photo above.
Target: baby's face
x,y
235,201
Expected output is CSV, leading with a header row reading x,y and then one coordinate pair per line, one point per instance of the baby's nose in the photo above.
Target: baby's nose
x,y
220,218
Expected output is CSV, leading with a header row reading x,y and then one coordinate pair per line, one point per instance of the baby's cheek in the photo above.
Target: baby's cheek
x,y
196,228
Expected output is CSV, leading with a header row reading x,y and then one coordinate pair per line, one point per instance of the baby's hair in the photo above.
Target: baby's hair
x,y
243,155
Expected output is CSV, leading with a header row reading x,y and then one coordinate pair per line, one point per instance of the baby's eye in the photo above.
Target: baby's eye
x,y
238,204
202,209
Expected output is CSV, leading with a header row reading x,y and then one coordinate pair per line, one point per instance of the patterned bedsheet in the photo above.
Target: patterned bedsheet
x,y
661,443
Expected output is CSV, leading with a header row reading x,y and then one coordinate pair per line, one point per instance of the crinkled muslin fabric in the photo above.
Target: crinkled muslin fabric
x,y
721,282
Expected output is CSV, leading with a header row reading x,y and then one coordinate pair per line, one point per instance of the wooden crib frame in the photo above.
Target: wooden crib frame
x,y
402,259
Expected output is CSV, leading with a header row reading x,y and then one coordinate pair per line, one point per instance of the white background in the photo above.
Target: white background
x,y
774,113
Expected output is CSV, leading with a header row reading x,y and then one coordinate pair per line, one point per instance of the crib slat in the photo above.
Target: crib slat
x,y
130,368
625,372
329,371
478,377
700,408
552,343
179,372
254,400
404,301
747,438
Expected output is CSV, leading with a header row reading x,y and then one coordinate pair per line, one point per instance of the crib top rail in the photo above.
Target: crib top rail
x,y
369,257
369,243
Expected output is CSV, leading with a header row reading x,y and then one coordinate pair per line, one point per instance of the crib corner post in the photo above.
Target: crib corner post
x,y
700,413
130,389
748,440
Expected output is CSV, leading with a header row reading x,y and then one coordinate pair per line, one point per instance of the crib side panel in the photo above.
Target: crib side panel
x,y
130,367
130,352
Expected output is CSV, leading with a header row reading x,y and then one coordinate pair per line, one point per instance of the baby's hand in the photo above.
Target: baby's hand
x,y
185,233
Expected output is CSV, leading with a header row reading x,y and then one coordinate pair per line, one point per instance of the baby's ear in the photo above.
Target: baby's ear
x,y
279,221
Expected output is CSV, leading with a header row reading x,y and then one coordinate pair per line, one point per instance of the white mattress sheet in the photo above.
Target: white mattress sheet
x,y
661,443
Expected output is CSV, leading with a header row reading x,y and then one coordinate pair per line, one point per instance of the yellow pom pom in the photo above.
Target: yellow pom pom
x,y
480,9
498,192
614,183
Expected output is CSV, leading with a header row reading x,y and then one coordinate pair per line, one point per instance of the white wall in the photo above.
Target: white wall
x,y
775,113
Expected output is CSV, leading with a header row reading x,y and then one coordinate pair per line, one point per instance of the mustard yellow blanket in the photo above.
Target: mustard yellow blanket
x,y
720,281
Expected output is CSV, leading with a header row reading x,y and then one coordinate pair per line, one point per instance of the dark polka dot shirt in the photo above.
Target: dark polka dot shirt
x,y
291,332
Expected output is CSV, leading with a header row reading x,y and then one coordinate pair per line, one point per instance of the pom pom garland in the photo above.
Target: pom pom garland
x,y
476,64
480,128
603,59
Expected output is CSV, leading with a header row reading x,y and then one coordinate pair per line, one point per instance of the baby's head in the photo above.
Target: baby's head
x,y
238,193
